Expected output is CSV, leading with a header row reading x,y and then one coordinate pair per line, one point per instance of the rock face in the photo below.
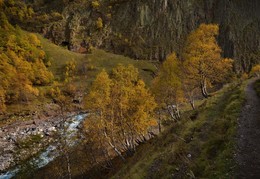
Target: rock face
x,y
152,29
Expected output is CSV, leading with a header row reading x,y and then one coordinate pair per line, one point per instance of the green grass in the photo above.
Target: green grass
x,y
208,140
98,59
101,59
59,56
29,142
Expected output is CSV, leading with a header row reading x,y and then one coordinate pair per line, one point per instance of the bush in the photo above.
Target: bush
x,y
244,76
99,23
95,4
255,71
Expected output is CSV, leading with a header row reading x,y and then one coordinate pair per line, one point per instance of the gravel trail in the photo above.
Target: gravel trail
x,y
248,144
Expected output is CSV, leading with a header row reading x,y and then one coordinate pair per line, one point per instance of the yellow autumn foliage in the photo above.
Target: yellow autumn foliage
x,y
203,62
168,85
95,4
99,23
21,64
255,71
2,101
121,108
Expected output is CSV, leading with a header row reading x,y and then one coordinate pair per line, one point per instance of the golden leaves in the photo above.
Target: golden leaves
x,y
202,56
120,105
21,65
255,71
167,86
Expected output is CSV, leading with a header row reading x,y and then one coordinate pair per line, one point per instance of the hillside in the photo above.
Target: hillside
x,y
88,66
129,89
95,61
202,145
150,29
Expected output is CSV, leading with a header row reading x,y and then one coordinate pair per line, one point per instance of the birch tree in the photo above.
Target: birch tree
x,y
167,86
202,58
122,109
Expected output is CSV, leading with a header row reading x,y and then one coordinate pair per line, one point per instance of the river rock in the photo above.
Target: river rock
x,y
5,161
20,131
52,129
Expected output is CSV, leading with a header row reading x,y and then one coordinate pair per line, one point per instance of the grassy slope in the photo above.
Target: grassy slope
x,y
99,59
58,55
202,148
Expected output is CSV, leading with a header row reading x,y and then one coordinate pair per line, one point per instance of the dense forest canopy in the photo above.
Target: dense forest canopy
x,y
23,62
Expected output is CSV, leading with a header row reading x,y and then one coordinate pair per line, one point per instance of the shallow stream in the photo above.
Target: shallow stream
x,y
51,152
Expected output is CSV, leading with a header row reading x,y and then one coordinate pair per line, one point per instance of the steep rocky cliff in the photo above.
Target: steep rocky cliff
x,y
151,29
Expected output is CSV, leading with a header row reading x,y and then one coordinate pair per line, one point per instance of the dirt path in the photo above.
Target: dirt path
x,y
248,149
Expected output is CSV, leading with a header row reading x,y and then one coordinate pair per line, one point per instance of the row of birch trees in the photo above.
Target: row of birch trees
x,y
123,110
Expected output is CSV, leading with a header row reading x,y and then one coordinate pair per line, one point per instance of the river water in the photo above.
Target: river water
x,y
51,152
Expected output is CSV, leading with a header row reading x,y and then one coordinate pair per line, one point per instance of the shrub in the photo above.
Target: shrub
x,y
99,23
255,71
95,4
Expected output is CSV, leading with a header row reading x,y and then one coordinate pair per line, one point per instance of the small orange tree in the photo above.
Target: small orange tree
x,y
167,86
121,108
255,71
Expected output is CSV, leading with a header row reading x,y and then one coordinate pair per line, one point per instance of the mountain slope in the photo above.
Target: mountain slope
x,y
201,146
95,61
152,29
91,64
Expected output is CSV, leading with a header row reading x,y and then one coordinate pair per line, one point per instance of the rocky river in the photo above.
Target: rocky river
x,y
42,139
